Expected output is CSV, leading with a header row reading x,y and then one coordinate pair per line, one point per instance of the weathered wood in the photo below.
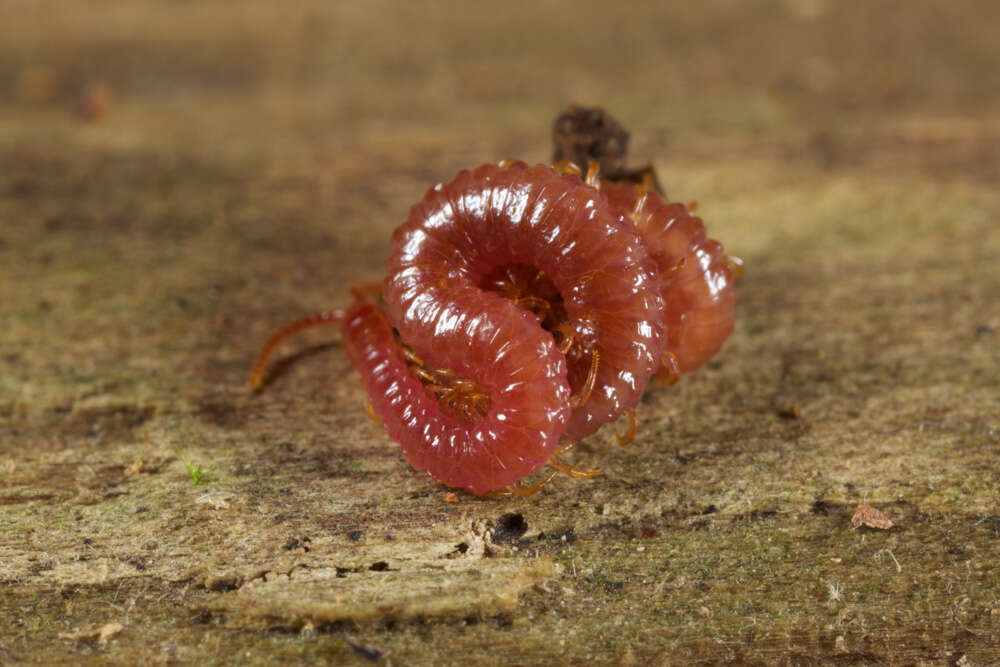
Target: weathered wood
x,y
179,179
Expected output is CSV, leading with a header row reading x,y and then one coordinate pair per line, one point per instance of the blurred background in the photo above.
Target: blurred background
x,y
320,77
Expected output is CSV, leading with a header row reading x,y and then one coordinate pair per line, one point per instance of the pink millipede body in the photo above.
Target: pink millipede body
x,y
523,305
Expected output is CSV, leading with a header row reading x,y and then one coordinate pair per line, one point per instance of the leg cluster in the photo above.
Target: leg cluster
x,y
463,399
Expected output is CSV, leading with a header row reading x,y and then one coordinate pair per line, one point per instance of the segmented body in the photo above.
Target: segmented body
x,y
522,305
479,457
457,237
698,275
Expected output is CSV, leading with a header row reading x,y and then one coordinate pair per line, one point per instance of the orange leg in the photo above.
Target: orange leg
x,y
557,466
675,267
565,345
461,398
567,469
567,448
588,387
370,409
633,426
593,178
640,202
528,491
649,179
426,376
410,356
567,168
736,265
566,336
569,340
316,319
537,305
574,472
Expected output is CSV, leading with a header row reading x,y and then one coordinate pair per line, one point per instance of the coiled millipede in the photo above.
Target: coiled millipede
x,y
523,308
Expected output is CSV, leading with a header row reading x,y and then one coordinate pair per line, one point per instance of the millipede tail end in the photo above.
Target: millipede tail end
x,y
257,378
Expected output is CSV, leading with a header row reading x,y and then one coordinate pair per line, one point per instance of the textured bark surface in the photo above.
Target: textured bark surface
x,y
179,179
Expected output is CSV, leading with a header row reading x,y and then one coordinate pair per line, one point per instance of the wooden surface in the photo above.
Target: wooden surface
x,y
178,179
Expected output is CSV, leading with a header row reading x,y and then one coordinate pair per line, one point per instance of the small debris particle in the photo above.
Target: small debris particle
x,y
201,618
134,469
217,500
705,612
109,630
94,102
291,544
789,412
899,568
354,535
369,653
101,634
450,497
871,517
223,584
563,536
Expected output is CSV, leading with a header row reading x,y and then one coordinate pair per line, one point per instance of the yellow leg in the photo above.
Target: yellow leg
x,y
670,371
370,409
593,178
633,427
640,203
